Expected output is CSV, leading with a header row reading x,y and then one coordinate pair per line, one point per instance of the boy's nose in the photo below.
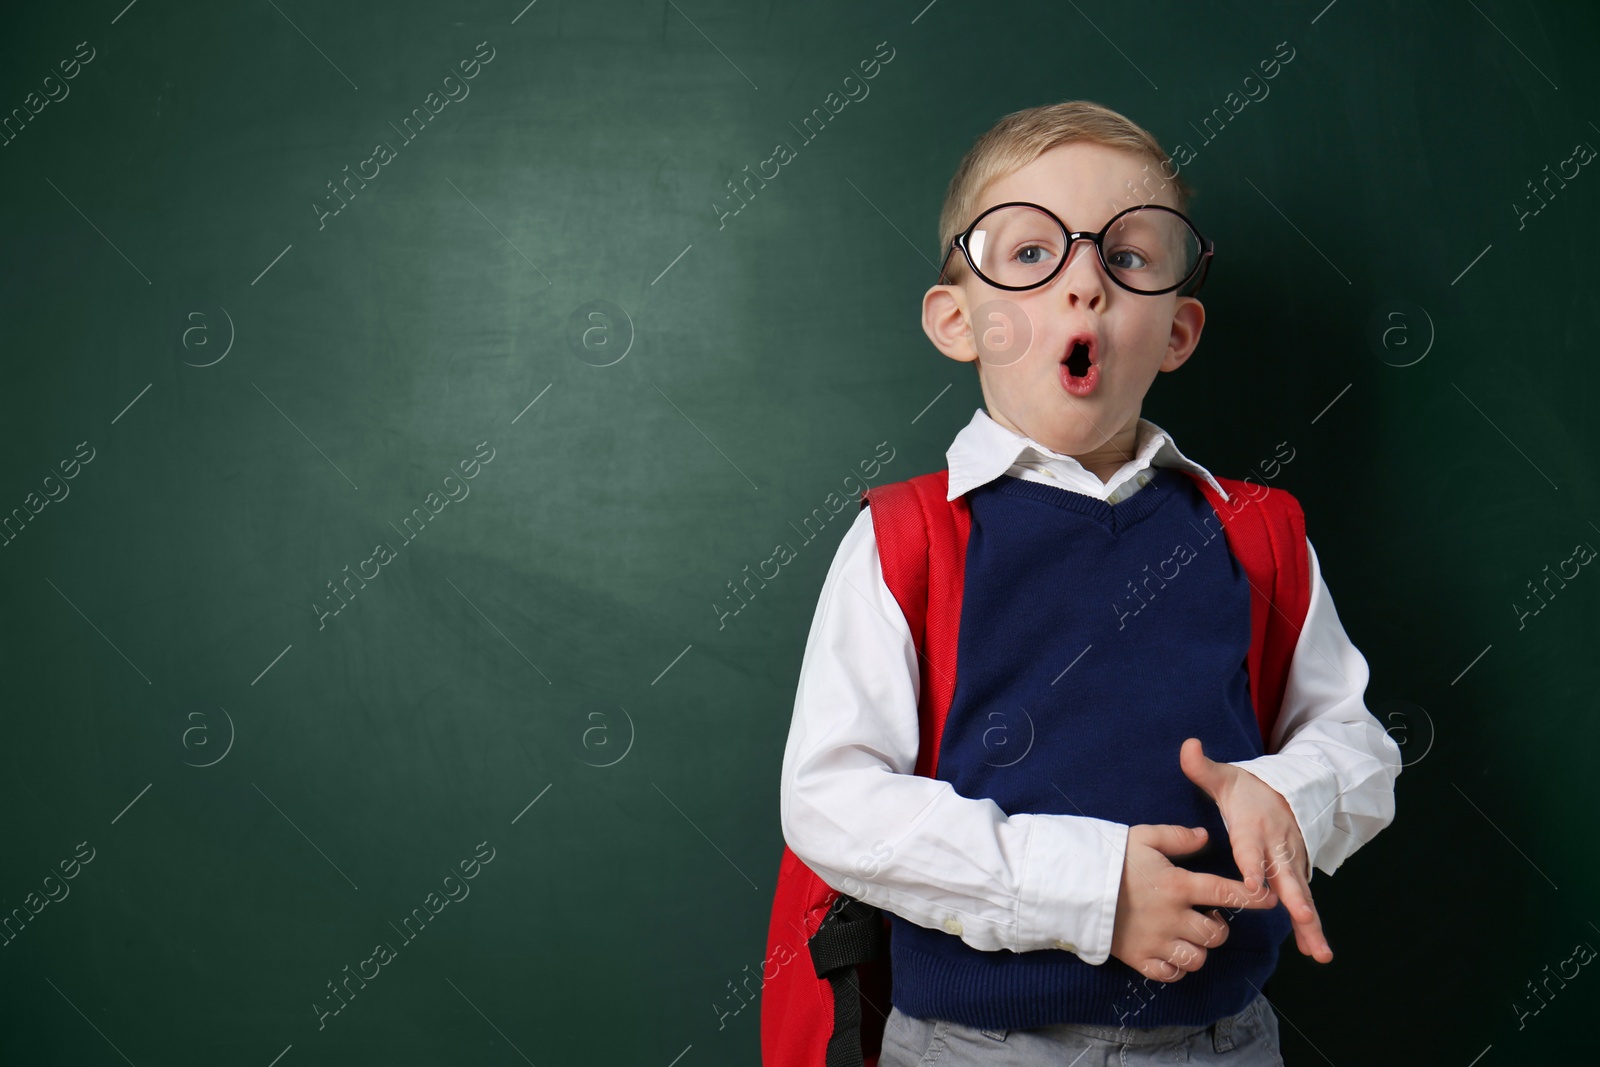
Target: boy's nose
x,y
1080,281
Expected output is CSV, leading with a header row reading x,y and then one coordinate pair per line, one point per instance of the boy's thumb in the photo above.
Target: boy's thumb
x,y
1173,840
1199,768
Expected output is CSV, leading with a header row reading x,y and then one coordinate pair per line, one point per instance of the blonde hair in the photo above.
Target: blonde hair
x,y
1023,136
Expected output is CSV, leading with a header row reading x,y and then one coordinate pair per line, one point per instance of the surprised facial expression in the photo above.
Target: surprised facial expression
x,y
1068,363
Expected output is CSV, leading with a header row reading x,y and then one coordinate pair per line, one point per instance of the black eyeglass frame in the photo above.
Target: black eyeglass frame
x,y
1197,274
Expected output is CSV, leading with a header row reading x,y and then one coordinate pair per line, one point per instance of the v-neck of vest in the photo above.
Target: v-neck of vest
x,y
1143,503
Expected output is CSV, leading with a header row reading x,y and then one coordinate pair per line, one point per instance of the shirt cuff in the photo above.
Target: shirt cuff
x,y
1070,881
1311,790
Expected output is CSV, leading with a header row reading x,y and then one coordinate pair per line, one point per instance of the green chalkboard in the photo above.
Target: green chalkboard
x,y
396,397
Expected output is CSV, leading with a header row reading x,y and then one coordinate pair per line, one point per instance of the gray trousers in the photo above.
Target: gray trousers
x,y
1248,1039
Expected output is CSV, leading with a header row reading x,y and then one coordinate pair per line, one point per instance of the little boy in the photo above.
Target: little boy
x,y
1107,859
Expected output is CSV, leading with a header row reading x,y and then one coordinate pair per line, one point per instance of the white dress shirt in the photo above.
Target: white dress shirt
x,y
854,811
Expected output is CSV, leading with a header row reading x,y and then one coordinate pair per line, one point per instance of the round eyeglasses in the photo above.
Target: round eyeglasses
x,y
1147,248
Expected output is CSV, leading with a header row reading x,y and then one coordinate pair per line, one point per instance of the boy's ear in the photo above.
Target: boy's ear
x,y
1188,319
944,320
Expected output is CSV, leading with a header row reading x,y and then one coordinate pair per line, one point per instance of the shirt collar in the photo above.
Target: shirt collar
x,y
984,450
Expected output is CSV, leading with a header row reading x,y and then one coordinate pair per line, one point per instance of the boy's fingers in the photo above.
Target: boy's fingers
x,y
1187,956
1296,896
1252,861
1170,839
1208,930
1161,970
1213,890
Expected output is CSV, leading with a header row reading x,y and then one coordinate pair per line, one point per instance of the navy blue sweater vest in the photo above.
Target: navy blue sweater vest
x,y
1094,639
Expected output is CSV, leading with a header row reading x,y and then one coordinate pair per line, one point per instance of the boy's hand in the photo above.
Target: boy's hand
x,y
1157,932
1260,822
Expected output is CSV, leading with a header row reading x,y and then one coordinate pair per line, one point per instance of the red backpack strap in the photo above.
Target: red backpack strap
x,y
827,999
922,548
1266,532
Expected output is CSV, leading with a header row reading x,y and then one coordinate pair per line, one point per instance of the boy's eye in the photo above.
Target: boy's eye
x,y
1127,259
1032,255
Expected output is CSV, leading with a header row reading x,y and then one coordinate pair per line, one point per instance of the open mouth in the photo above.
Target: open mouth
x,y
1080,365
1078,360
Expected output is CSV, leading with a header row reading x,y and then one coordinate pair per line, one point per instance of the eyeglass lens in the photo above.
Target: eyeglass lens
x,y
1146,249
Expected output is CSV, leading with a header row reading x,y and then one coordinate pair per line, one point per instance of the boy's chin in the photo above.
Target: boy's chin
x,y
1068,432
